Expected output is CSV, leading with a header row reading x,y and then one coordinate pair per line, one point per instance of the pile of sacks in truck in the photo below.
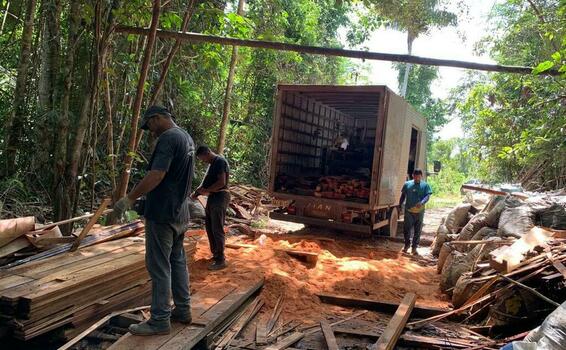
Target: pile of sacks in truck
x,y
504,218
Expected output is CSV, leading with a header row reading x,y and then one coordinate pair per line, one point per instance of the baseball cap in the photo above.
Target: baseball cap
x,y
151,112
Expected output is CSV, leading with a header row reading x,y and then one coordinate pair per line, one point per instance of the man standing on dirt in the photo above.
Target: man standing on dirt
x,y
167,186
417,193
215,186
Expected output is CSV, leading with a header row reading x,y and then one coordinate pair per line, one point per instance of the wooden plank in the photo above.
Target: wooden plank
x,y
286,342
558,265
188,338
397,323
90,224
328,335
14,246
376,305
309,256
409,339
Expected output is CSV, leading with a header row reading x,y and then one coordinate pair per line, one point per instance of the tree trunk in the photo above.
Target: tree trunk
x,y
15,118
228,95
61,205
410,39
128,159
186,19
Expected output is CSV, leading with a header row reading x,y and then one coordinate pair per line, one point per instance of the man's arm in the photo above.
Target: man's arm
x,y
150,181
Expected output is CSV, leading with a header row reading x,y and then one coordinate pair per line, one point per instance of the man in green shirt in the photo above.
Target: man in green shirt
x,y
417,193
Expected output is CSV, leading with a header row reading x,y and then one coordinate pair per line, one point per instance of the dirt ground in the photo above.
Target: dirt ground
x,y
366,268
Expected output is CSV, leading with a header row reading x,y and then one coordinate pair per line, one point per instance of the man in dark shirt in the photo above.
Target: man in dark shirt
x,y
417,193
215,186
167,186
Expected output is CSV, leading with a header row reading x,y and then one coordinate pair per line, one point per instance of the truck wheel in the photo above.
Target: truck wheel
x,y
391,229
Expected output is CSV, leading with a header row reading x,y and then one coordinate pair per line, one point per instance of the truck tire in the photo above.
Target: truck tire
x,y
393,216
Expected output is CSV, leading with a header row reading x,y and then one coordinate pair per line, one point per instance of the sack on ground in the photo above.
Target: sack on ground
x,y
457,217
515,222
441,237
473,226
456,264
464,289
444,252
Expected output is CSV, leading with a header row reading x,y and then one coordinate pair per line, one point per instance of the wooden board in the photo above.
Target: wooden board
x,y
286,342
376,305
397,323
186,337
310,257
328,335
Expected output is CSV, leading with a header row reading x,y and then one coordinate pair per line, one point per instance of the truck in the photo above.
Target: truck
x,y
341,154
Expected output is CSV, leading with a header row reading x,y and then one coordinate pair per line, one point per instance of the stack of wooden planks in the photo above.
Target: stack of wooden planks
x,y
75,288
248,202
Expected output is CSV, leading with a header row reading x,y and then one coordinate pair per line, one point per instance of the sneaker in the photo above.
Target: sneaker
x,y
150,327
217,265
182,315
414,251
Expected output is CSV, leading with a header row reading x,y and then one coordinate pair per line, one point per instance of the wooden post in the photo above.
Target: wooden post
x,y
397,323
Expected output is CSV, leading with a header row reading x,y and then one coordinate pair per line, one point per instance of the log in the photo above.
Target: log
x,y
10,229
368,55
397,323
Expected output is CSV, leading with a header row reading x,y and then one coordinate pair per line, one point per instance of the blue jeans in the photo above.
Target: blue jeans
x,y
413,224
167,266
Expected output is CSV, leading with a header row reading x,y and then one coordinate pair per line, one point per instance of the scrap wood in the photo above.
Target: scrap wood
x,y
533,291
68,221
558,265
102,321
264,328
240,245
328,335
14,246
286,328
313,329
242,321
393,331
286,342
376,305
90,224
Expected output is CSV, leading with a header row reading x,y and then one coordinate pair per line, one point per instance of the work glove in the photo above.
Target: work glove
x,y
121,206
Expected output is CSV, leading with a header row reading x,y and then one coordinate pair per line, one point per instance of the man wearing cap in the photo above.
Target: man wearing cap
x,y
417,193
167,186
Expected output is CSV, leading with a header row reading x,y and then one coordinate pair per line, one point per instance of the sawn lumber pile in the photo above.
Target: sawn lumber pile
x,y
75,289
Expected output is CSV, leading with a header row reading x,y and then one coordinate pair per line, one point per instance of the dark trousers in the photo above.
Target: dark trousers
x,y
413,224
167,266
215,215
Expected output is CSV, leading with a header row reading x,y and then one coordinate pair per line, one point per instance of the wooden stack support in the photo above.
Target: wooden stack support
x,y
75,288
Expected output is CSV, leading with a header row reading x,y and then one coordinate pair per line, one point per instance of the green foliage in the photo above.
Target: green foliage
x,y
516,123
457,166
419,96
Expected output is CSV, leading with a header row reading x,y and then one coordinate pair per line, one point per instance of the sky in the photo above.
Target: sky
x,y
447,43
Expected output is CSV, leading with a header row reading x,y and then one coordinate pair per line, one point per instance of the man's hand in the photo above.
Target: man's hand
x,y
194,196
121,206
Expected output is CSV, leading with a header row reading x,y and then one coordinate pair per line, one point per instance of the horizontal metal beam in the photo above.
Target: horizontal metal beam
x,y
368,55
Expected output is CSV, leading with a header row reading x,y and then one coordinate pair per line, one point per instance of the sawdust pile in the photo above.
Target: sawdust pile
x,y
354,268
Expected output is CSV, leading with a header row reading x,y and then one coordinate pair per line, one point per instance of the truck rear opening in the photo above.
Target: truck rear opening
x,y
329,148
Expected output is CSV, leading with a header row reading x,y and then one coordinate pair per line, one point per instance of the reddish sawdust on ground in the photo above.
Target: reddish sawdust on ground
x,y
353,268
